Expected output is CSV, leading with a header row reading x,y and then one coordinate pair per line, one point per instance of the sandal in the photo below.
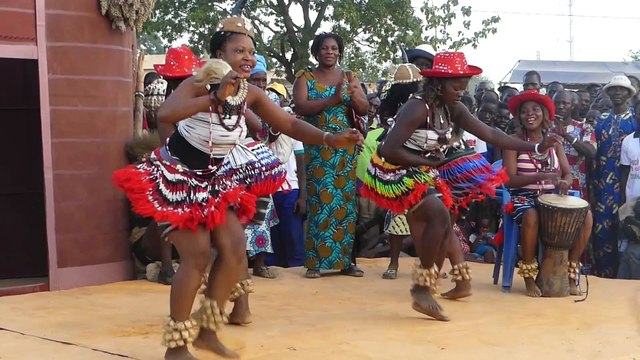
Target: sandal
x,y
352,270
264,272
312,274
390,274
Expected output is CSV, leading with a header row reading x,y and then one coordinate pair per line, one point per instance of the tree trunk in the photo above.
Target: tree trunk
x,y
138,107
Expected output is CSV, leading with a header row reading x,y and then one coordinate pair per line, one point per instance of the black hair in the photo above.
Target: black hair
x,y
555,82
582,91
150,77
467,100
319,40
503,106
397,95
219,40
487,99
533,73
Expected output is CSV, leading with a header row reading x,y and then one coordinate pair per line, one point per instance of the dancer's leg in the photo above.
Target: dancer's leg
x,y
228,268
430,226
195,251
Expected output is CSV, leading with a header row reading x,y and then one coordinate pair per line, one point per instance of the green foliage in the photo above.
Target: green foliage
x,y
634,55
440,19
151,43
373,30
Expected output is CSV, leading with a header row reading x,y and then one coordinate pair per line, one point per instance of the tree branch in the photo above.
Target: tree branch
x,y
320,17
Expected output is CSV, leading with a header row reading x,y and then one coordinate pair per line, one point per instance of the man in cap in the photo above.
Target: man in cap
x,y
611,128
420,58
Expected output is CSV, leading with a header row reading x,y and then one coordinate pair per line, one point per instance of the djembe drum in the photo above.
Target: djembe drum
x,y
561,218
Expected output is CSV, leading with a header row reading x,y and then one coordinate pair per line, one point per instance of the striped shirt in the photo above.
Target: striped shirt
x,y
527,165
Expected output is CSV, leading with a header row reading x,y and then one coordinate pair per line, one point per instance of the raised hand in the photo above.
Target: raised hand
x,y
228,86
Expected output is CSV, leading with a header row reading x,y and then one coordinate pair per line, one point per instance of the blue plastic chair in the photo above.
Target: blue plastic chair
x,y
507,252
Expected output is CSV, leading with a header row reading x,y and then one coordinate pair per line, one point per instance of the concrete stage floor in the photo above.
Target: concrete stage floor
x,y
334,317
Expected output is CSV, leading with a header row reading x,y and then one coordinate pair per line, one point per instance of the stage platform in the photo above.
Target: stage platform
x,y
335,317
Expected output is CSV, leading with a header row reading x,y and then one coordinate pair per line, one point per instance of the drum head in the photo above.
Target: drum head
x,y
563,201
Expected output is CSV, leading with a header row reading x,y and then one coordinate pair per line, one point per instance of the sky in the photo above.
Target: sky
x,y
602,31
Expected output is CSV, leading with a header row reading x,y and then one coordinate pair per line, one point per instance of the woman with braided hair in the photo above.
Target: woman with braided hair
x,y
418,171
205,182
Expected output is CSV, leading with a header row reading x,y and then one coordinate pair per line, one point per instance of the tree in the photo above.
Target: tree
x,y
373,30
440,19
634,55
151,43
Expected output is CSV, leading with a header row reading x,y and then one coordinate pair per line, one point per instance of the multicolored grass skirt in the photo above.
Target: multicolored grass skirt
x,y
400,188
470,177
165,189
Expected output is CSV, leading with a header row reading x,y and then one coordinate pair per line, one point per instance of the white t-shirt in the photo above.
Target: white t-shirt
x,y
291,166
630,156
473,142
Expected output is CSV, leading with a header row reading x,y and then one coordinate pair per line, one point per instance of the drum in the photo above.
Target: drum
x,y
560,221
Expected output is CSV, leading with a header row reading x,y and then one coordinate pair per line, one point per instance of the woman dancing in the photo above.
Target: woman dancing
x,y
206,179
531,175
404,175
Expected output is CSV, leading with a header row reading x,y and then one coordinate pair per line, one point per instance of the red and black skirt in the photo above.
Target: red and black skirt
x,y
163,188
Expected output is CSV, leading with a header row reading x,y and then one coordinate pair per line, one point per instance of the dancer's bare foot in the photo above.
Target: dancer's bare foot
x,y
423,302
462,290
241,314
180,353
208,340
574,290
532,289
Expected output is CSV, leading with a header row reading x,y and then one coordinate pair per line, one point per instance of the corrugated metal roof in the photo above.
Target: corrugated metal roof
x,y
574,72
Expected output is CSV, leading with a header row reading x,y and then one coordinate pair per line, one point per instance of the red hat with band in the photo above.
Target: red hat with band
x,y
531,95
451,64
179,63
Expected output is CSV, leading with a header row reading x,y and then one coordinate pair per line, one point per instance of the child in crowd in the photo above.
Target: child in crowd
x,y
482,243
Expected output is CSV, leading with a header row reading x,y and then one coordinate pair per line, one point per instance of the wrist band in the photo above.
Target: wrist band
x,y
324,138
574,141
277,133
536,149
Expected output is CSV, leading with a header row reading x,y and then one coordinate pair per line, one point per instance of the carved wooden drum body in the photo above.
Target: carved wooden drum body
x,y
560,220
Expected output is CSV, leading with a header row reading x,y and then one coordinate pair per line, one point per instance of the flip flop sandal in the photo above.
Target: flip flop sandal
x,y
390,274
352,270
312,274
264,272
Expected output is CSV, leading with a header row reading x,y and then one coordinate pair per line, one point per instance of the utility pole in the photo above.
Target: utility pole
x,y
571,30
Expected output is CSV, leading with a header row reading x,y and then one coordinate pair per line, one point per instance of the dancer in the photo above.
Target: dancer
x,y
206,179
531,175
404,176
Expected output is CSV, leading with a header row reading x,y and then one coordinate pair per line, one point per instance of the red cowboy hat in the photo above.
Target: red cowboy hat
x,y
531,95
179,63
451,64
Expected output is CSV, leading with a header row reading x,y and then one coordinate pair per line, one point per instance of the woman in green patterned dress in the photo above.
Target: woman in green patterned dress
x,y
326,96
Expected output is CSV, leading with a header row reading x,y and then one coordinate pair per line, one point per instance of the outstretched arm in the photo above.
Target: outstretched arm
x,y
470,123
288,124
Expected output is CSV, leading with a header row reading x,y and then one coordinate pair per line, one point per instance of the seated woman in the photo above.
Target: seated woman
x,y
531,175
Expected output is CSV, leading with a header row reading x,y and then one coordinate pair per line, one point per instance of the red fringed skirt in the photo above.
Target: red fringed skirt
x,y
163,188
470,177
